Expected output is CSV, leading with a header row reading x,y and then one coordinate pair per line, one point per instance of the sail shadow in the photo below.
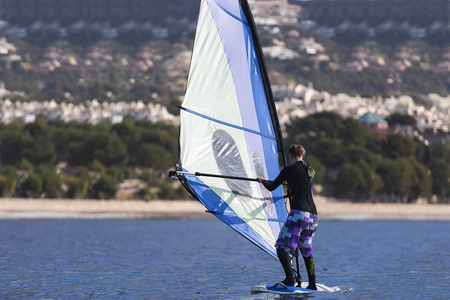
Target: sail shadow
x,y
258,165
229,162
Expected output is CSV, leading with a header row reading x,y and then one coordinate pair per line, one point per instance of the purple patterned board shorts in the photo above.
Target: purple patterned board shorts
x,y
298,230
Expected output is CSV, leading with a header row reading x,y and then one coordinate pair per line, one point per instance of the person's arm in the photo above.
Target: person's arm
x,y
273,184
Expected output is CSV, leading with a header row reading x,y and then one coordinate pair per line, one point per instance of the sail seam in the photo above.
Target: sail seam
x,y
230,14
227,124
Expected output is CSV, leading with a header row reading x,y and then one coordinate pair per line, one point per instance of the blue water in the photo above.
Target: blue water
x,y
204,259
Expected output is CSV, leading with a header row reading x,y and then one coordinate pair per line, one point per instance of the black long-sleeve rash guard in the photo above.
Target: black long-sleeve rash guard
x,y
298,181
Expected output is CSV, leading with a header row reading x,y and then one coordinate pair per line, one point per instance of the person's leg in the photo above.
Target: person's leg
x,y
311,269
286,262
286,244
305,246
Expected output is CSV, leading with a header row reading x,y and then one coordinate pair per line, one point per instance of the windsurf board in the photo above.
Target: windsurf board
x,y
279,289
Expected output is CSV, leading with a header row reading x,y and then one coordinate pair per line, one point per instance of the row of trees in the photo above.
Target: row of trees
x,y
353,163
76,160
135,144
57,159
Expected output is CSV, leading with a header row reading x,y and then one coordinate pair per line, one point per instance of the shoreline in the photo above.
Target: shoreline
x,y
16,208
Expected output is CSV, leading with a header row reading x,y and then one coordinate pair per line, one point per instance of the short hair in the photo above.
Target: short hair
x,y
297,151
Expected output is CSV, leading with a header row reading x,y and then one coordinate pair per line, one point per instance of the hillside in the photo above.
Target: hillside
x,y
140,50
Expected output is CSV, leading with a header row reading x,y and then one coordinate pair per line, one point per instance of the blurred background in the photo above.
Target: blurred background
x,y
89,93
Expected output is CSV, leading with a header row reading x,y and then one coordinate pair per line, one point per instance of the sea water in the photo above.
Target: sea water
x,y
205,259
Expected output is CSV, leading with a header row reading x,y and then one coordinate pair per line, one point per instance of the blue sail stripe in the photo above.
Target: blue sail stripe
x,y
227,124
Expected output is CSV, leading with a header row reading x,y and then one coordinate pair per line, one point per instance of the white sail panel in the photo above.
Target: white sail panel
x,y
210,84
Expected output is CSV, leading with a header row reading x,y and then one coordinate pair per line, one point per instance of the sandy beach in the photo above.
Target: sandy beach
x,y
97,209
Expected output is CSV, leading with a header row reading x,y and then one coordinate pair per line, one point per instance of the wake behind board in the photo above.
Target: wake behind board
x,y
269,288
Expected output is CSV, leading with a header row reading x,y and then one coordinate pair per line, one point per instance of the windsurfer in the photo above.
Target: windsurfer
x,y
300,226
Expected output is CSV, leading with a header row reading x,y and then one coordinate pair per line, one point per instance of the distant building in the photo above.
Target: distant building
x,y
6,47
374,123
355,66
443,67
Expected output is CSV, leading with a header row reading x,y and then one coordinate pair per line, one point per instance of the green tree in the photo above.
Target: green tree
x,y
301,130
126,130
38,128
328,124
374,143
356,153
4,186
161,135
74,187
330,151
65,137
440,174
25,165
106,187
397,178
439,150
13,143
154,156
372,181
148,177
83,173
39,151
9,181
397,146
181,193
349,181
96,166
353,132
167,190
128,173
109,150
51,184
98,145
40,170
32,185
358,181
421,185
403,120
145,193
421,151
77,186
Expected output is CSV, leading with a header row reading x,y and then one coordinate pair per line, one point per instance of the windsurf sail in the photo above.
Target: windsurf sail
x,y
229,131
